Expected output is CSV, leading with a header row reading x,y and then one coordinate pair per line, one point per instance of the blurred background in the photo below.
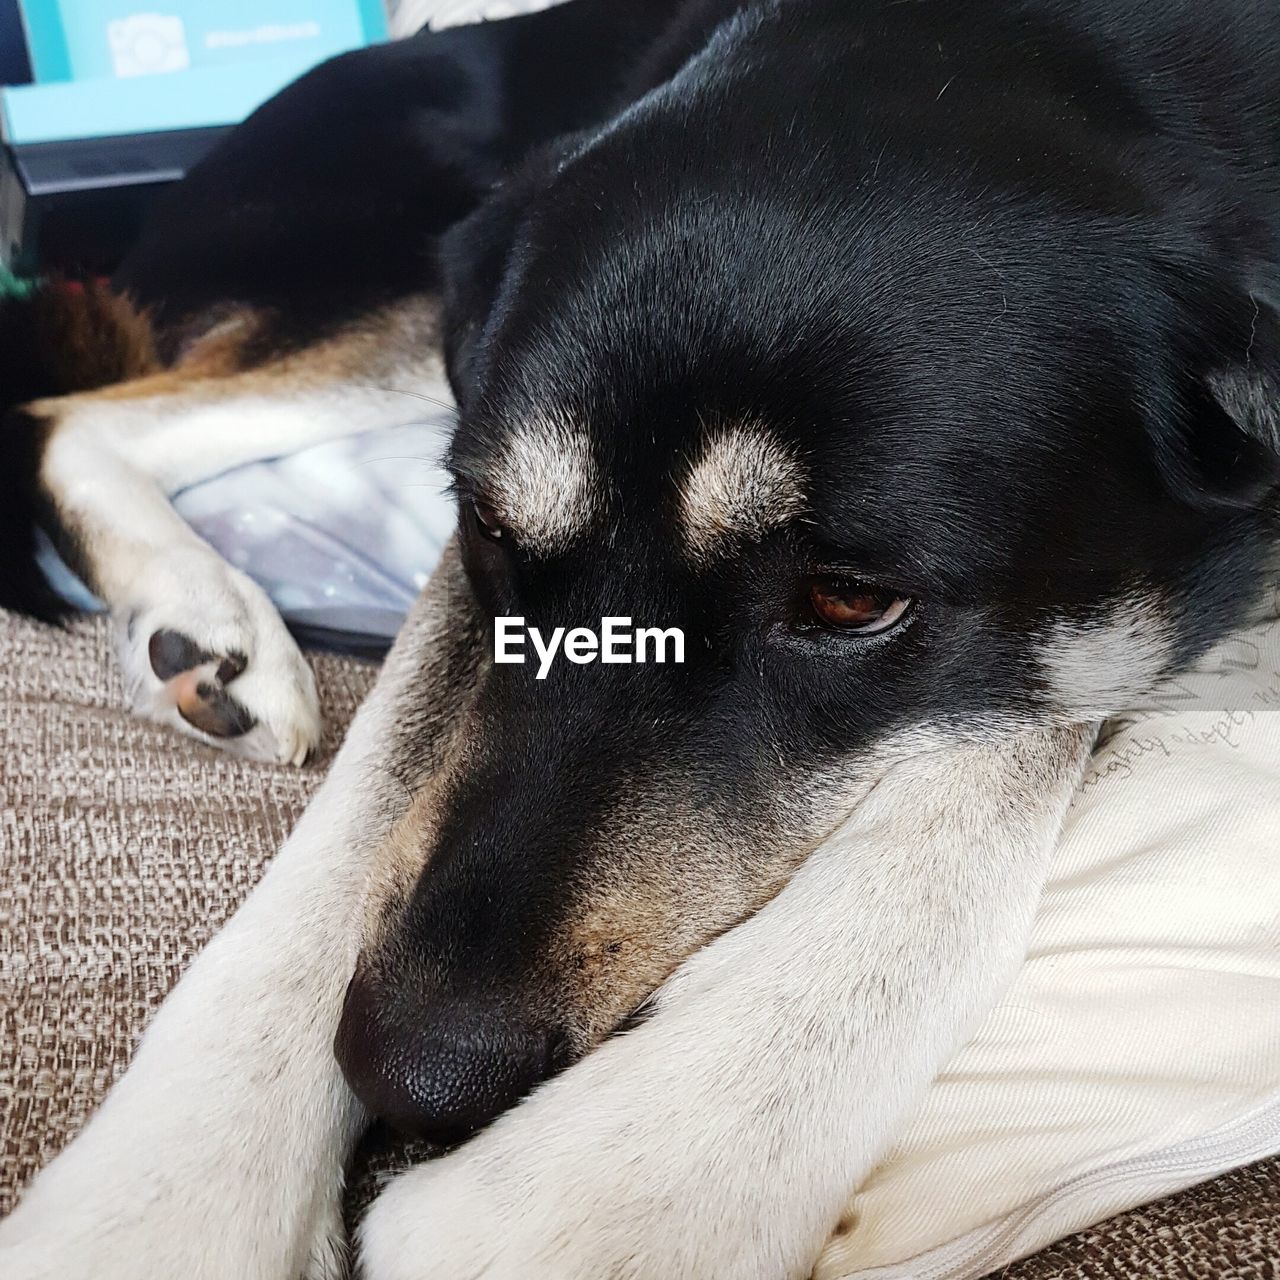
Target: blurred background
x,y
104,101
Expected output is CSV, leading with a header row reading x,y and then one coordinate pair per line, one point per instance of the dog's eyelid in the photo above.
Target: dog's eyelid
x,y
850,571
848,567
469,496
469,493
476,507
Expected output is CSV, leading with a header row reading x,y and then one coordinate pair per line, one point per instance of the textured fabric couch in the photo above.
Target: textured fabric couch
x,y
123,848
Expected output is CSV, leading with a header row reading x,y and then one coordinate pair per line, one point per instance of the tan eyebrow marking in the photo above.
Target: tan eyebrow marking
x,y
546,485
744,483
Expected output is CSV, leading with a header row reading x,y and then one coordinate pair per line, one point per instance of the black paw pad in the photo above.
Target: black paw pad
x,y
200,693
172,653
213,711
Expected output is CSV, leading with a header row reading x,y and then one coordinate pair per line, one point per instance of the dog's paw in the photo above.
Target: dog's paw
x,y
437,1221
541,1196
328,1254
78,1222
141,1255
459,1220
207,653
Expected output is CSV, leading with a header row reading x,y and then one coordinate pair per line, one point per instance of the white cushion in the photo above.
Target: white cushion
x,y
1138,1052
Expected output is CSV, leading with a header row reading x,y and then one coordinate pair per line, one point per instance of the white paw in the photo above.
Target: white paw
x,y
551,1193
100,1219
205,652
327,1255
437,1221
539,1219
160,1252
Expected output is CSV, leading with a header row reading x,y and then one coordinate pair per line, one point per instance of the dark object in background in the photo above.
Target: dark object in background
x,y
15,67
130,106
77,206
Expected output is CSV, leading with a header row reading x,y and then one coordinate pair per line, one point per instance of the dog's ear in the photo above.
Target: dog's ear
x,y
1231,451
474,255
1248,387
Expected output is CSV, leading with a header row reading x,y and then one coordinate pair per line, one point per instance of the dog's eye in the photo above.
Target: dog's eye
x,y
487,522
857,607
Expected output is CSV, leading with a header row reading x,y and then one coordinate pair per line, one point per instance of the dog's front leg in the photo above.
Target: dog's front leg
x,y
219,1154
722,1137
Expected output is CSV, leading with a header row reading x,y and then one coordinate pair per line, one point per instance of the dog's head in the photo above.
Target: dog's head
x,y
897,461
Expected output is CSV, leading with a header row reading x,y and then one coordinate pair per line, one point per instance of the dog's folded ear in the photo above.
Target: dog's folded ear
x,y
1248,388
473,258
477,254
1229,449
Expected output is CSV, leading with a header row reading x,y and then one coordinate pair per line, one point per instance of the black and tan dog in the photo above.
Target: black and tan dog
x,y
919,362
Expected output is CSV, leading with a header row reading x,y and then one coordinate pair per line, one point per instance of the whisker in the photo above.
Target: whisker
x,y
401,457
447,405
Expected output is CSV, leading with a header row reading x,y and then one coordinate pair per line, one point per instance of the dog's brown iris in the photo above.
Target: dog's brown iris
x,y
855,606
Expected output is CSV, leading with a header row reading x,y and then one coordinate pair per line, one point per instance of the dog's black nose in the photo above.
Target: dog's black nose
x,y
438,1069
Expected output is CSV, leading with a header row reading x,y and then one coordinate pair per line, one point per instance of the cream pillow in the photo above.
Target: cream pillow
x,y
1138,1052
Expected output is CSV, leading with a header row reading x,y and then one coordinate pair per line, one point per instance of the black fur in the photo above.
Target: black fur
x,y
22,585
328,201
28,370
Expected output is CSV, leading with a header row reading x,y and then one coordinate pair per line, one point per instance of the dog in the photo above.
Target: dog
x,y
919,363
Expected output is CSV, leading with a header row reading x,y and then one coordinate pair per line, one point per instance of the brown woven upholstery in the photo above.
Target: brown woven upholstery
x,y
1227,1229
122,849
